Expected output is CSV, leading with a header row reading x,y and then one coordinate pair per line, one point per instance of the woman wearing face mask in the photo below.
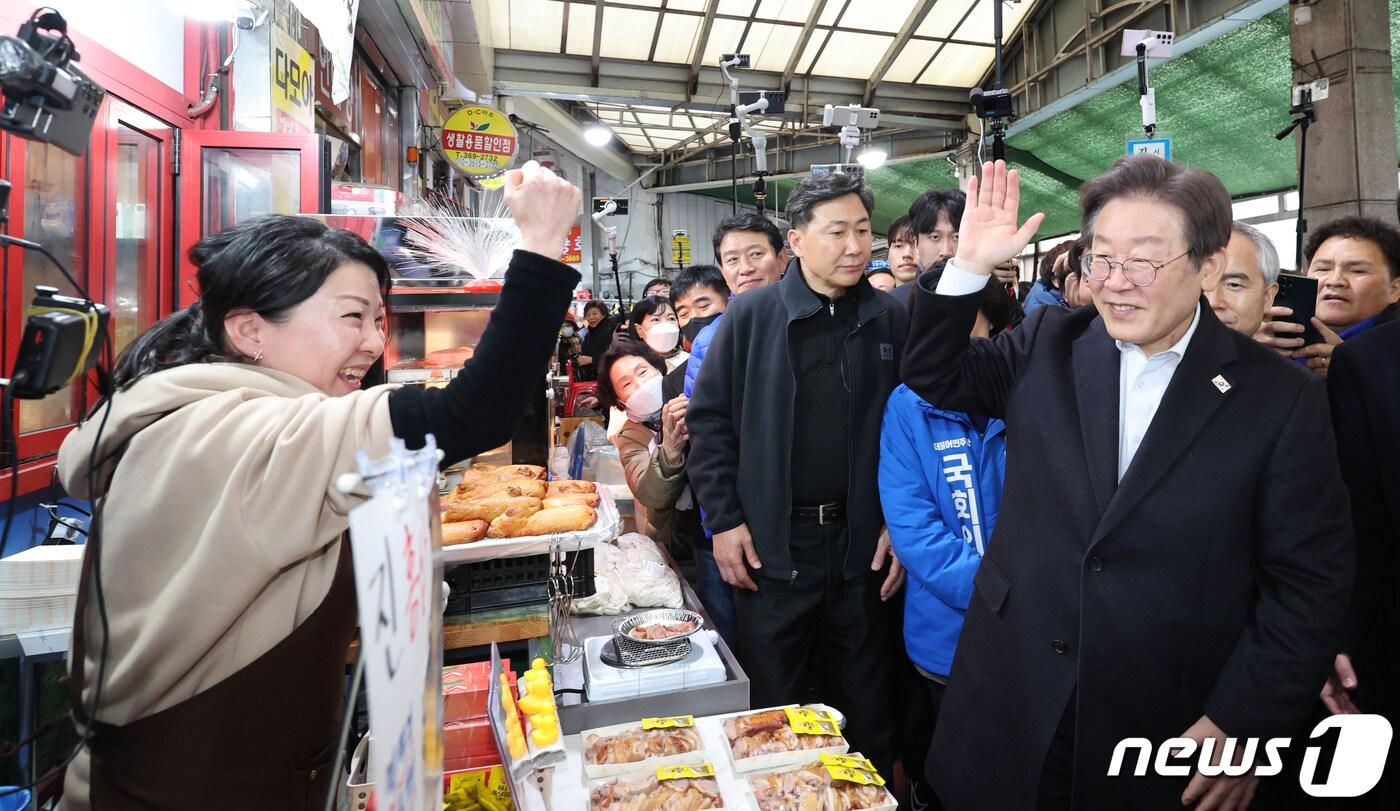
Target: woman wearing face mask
x,y
652,441
654,323
228,590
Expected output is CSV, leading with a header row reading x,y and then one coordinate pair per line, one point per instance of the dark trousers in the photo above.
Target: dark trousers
x,y
818,611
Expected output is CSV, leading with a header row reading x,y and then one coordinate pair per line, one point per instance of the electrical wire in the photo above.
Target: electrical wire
x,y
94,527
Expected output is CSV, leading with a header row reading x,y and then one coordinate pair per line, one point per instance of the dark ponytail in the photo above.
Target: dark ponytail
x,y
267,265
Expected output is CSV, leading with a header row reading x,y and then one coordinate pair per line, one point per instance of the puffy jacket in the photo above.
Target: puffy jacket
x,y
698,348
1041,295
940,485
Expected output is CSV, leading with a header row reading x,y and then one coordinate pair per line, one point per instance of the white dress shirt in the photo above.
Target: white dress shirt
x,y
1142,380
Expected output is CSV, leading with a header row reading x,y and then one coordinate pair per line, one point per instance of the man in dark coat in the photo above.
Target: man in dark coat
x,y
785,448
1177,564
1364,385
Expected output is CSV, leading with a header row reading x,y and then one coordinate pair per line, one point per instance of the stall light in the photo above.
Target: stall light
x,y
872,157
597,135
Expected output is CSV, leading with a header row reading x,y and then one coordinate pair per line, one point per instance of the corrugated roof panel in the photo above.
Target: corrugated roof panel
x,y
580,41
771,51
830,11
944,17
686,5
911,59
536,25
980,26
958,66
627,32
500,23
880,15
849,54
795,11
814,45
677,42
724,38
739,8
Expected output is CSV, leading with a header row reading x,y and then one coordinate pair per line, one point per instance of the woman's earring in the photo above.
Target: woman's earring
x,y
258,356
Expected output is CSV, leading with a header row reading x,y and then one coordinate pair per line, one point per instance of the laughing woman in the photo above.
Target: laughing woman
x,y
229,597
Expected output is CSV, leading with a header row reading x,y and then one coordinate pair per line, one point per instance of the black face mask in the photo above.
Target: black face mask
x,y
692,329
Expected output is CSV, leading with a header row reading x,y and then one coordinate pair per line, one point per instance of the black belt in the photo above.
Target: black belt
x,y
822,513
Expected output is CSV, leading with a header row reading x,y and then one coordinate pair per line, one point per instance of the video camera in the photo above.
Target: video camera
x,y
46,97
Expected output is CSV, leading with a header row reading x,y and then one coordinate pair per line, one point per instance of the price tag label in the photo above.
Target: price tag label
x,y
685,772
811,722
676,722
852,770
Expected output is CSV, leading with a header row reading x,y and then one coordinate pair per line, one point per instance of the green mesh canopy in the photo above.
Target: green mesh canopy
x,y
1221,104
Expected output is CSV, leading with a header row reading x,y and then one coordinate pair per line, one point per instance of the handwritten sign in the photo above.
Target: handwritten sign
x,y
392,547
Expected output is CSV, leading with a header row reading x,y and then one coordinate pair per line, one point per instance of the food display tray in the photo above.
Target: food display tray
x,y
776,760
597,771
751,801
608,526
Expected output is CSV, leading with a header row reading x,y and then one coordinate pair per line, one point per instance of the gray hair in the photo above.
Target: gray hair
x,y
814,191
1263,248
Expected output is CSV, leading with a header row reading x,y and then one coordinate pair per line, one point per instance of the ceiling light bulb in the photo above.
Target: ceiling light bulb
x,y
597,135
872,158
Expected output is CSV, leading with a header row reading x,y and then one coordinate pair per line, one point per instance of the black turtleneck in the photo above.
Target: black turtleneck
x,y
821,446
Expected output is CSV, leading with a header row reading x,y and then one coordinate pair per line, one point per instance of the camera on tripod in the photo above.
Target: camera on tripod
x,y
46,97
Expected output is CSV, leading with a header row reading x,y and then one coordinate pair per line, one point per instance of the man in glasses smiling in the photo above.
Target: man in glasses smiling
x,y
1180,565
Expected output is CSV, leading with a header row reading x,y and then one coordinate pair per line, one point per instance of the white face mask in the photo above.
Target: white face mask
x,y
645,403
663,337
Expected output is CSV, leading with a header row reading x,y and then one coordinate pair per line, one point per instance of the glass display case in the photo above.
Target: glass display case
x,y
438,313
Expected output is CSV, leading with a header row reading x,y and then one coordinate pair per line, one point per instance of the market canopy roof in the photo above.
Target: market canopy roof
x,y
907,47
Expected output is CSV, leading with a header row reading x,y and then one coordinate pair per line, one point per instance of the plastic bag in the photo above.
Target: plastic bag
x,y
610,599
649,581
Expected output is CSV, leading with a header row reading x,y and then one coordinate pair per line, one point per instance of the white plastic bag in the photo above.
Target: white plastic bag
x,y
649,581
610,598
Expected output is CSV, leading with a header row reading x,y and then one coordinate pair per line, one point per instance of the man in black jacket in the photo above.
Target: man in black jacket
x,y
1179,566
1364,386
785,443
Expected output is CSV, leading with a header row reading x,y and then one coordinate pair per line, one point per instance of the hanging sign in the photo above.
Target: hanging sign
x,y
293,85
335,22
680,248
573,247
392,548
1161,147
479,141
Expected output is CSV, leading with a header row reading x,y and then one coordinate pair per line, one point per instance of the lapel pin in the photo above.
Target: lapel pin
x,y
1221,383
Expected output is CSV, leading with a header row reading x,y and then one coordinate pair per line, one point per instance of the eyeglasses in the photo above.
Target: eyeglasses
x,y
1138,272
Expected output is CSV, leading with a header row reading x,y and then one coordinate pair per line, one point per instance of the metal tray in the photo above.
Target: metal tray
x,y
623,628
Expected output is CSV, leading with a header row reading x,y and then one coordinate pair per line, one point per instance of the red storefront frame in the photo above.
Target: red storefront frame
x,y
159,111
195,197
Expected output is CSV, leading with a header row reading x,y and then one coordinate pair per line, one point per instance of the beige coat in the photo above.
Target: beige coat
x,y
654,483
220,527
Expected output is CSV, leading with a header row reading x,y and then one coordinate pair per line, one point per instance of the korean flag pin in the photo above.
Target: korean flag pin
x,y
1221,383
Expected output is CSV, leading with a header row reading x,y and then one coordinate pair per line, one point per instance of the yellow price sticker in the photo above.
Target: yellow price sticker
x,y
685,772
857,770
811,722
675,722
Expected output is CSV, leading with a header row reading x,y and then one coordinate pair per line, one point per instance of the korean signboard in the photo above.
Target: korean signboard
x,y
293,85
479,141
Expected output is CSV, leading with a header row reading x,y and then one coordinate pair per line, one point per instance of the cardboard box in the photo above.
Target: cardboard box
x,y
465,688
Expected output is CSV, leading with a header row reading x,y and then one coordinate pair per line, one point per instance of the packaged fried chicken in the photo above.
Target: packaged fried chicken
x,y
784,736
832,783
650,792
641,747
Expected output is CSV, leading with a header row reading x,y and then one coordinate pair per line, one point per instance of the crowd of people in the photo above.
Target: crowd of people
x,y
1004,527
